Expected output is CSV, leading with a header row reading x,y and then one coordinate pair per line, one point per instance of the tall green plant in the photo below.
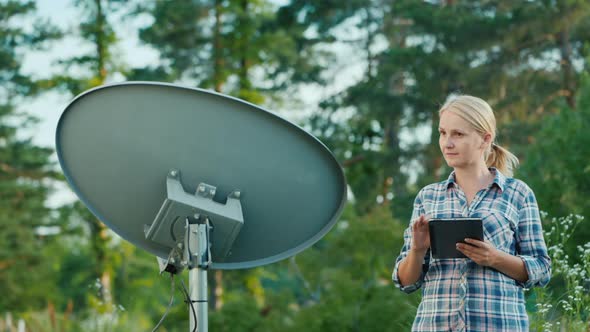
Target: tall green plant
x,y
565,303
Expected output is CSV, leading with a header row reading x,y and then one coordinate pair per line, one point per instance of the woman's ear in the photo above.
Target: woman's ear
x,y
487,140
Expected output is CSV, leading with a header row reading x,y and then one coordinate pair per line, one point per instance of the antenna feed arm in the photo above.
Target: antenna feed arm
x,y
197,245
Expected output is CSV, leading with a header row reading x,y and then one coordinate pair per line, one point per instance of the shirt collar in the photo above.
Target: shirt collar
x,y
499,179
451,180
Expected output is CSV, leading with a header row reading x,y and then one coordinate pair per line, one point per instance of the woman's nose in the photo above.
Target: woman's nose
x,y
449,143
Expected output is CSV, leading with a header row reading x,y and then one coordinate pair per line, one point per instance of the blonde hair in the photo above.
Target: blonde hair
x,y
478,113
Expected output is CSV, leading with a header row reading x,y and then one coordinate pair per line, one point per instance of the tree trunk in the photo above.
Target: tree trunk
x,y
566,67
106,277
245,83
217,51
435,157
100,42
102,236
370,38
216,279
100,240
218,289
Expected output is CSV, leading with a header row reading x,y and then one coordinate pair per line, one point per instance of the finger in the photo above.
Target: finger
x,y
416,221
416,226
474,256
470,249
475,242
468,246
419,223
462,248
421,220
466,252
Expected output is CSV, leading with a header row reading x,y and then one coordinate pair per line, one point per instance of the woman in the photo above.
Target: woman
x,y
483,292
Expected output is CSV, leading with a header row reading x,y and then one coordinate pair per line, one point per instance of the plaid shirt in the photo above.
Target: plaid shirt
x,y
460,295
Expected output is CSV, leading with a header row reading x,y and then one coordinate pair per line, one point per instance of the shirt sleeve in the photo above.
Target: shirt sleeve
x,y
418,210
531,244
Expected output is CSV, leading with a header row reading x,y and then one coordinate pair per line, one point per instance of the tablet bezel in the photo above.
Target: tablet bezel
x,y
443,246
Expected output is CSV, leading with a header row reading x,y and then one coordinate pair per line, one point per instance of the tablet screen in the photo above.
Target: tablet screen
x,y
445,233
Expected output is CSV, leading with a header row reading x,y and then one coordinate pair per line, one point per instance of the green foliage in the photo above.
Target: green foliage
x,y
565,302
95,66
340,284
239,313
238,47
24,173
350,273
557,166
384,126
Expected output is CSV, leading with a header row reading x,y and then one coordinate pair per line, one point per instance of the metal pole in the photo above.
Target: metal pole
x,y
198,277
198,294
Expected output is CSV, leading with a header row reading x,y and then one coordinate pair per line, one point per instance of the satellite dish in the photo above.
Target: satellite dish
x,y
158,162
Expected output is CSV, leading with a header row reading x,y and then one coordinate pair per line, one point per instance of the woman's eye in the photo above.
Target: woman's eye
x,y
460,134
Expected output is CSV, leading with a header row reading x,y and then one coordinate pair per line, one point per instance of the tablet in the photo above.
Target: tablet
x,y
445,233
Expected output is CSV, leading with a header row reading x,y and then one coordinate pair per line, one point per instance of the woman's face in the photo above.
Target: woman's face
x,y
461,145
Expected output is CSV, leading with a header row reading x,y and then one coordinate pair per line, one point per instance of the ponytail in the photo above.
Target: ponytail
x,y
502,159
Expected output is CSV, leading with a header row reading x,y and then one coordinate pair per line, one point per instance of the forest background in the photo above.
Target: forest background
x,y
365,76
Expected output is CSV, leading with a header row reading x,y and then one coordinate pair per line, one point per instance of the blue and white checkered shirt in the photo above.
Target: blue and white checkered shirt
x,y
460,295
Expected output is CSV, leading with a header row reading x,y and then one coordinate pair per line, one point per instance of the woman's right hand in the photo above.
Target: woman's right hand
x,y
420,235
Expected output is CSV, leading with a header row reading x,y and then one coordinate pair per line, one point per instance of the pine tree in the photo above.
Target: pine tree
x,y
499,51
25,170
238,47
94,68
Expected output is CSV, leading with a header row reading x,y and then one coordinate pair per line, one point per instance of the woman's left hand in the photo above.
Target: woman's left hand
x,y
483,253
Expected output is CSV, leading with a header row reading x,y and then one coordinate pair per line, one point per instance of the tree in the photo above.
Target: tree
x,y
98,65
95,68
431,50
558,164
239,47
25,169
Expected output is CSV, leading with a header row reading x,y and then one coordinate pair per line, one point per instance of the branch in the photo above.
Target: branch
x,y
559,93
353,160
